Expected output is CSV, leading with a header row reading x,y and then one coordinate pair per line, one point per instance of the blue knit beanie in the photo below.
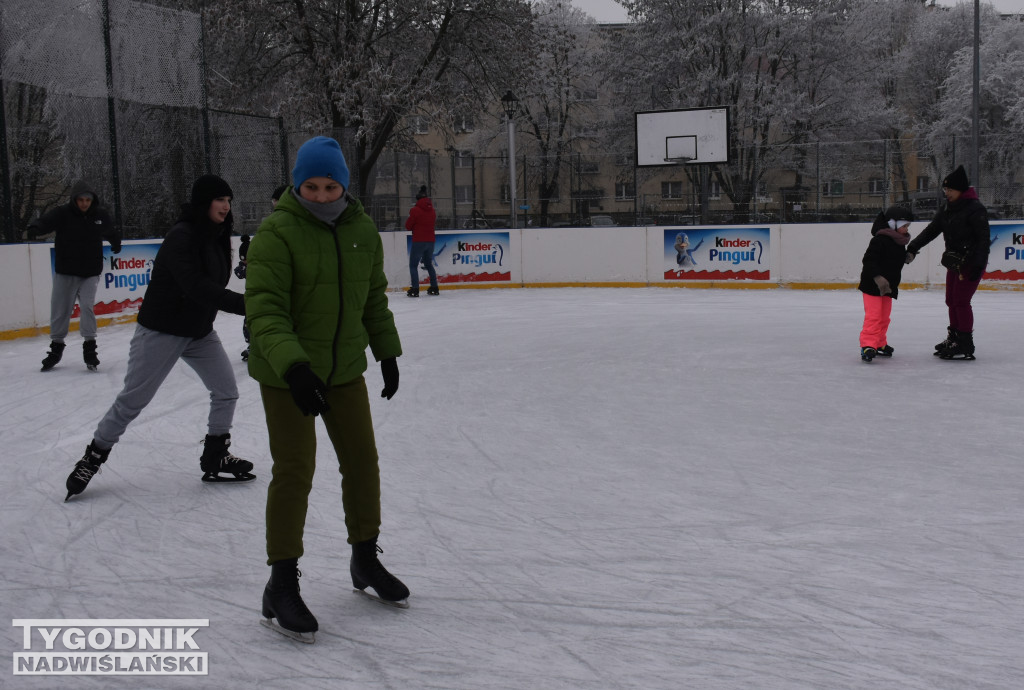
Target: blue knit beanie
x,y
320,157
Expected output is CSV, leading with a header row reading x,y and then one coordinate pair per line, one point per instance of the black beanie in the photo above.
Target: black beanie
x,y
957,180
422,193
206,189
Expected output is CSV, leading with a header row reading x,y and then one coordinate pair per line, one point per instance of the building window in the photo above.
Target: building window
x,y
924,183
464,124
876,186
420,125
832,188
589,167
761,193
714,190
624,190
463,159
464,194
671,190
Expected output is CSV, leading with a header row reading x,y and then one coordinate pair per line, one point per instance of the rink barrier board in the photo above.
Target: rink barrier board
x,y
803,257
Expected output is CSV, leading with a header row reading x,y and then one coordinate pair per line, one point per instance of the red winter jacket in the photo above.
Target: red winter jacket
x,y
421,220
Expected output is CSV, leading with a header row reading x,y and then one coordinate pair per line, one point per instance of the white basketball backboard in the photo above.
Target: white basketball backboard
x,y
674,137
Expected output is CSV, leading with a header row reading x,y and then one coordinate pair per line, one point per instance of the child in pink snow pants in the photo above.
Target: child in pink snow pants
x,y
880,278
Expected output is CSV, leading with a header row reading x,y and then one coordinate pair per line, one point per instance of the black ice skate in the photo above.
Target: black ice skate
x,y
962,347
217,458
945,344
884,351
283,608
413,292
92,362
53,356
367,571
85,469
868,353
433,291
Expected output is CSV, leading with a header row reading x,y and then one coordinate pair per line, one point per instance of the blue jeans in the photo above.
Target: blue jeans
x,y
422,251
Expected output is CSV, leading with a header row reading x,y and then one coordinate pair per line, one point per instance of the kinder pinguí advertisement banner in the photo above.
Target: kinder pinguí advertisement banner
x,y
1006,254
124,278
716,253
469,257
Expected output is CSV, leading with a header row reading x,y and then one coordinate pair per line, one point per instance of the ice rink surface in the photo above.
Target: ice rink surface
x,y
583,488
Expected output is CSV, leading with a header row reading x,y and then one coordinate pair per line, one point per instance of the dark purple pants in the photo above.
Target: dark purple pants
x,y
958,299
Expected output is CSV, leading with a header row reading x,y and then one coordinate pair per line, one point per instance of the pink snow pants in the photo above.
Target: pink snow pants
x,y
876,321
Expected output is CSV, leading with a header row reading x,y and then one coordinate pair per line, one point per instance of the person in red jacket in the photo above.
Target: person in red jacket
x,y
421,220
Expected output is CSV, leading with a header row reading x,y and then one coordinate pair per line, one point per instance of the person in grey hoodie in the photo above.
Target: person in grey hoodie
x,y
79,228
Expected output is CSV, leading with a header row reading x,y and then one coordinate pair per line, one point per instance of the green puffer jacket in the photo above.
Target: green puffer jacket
x,y
316,294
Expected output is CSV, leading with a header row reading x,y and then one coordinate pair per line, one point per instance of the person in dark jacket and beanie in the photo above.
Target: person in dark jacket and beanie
x,y
880,278
80,227
963,224
421,220
185,292
315,299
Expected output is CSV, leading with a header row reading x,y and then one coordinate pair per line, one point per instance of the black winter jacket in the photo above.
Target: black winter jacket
x,y
964,227
78,243
190,274
884,257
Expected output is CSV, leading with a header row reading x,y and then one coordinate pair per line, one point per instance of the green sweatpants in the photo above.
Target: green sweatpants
x,y
293,449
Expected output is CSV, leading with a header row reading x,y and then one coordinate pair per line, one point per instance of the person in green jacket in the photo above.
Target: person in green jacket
x,y
315,299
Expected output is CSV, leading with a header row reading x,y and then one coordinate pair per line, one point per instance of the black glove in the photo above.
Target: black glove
x,y
308,391
240,270
115,247
389,370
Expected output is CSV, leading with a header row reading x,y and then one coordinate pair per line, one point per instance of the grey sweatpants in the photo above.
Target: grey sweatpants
x,y
151,357
66,289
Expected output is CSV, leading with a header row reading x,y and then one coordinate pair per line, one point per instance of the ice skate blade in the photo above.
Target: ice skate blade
x,y
400,604
214,478
92,367
956,358
304,637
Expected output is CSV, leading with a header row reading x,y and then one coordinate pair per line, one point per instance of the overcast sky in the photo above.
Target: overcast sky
x,y
609,11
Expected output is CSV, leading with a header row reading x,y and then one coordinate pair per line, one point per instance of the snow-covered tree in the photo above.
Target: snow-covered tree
x,y
355,68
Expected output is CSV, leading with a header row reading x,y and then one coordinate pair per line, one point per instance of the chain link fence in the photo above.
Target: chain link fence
x,y
834,182
112,91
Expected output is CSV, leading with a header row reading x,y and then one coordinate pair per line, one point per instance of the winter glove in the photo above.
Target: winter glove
x,y
240,270
389,370
883,286
115,247
308,391
910,257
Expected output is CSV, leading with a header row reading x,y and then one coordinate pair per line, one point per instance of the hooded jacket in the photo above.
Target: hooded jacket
x,y
190,273
78,239
963,225
316,293
421,220
884,257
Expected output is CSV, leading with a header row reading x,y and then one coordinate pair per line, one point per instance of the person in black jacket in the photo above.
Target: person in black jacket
x,y
963,224
880,278
185,292
79,228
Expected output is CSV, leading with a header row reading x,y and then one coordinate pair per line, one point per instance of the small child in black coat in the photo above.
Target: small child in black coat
x,y
880,278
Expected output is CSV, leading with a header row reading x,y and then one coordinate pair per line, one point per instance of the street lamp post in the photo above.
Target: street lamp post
x,y
511,106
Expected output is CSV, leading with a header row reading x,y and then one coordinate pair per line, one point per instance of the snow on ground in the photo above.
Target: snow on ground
x,y
583,488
